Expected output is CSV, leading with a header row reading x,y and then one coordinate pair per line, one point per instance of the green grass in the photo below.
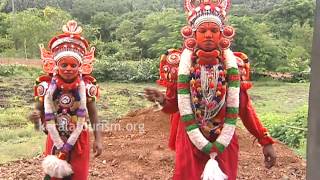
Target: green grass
x,y
279,97
278,103
117,99
19,143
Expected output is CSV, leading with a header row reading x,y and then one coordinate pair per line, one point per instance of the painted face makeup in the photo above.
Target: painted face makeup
x,y
207,36
68,68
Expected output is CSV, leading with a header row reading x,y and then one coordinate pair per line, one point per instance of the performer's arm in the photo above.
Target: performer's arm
x,y
170,104
251,121
36,115
168,101
95,123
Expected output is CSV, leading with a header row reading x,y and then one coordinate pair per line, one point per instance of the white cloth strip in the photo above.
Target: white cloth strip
x,y
62,54
231,59
76,133
83,96
48,99
206,18
233,97
197,138
184,104
54,134
226,134
185,63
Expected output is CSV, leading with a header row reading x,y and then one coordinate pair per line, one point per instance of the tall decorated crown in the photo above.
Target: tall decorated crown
x,y
200,11
69,43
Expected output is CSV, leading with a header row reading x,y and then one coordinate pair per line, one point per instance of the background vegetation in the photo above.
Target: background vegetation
x,y
276,34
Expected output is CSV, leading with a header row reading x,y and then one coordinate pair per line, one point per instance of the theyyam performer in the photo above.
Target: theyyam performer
x,y
65,101
206,92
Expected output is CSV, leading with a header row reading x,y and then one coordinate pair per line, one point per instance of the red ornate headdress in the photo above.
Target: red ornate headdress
x,y
200,11
70,43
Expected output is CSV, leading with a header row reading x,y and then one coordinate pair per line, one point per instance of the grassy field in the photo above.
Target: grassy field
x,y
274,101
279,103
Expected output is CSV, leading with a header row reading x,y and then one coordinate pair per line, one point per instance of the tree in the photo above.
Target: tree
x,y
104,22
285,15
33,26
161,31
255,39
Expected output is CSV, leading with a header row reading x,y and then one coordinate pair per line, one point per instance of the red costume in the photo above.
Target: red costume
x,y
63,94
190,160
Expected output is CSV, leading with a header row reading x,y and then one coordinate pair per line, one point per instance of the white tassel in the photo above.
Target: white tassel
x,y
55,167
212,170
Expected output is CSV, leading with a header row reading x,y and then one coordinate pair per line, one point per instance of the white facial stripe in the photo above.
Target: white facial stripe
x,y
62,54
206,18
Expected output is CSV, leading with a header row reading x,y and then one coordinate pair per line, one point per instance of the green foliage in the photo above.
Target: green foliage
x,y
294,131
276,34
145,70
103,21
18,70
266,53
161,31
284,15
33,26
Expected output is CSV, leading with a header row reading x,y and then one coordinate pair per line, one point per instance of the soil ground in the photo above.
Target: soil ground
x,y
132,154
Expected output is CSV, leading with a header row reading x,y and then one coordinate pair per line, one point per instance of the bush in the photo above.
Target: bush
x,y
144,70
18,69
293,133
301,77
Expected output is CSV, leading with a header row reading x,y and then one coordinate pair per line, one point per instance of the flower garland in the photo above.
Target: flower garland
x,y
185,104
53,165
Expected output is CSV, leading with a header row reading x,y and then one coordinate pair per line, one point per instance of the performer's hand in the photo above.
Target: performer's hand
x,y
97,148
269,156
154,95
34,116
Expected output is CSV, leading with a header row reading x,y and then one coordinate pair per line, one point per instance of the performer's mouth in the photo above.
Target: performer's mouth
x,y
209,42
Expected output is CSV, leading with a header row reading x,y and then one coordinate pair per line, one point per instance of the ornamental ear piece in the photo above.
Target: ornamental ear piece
x,y
187,32
190,43
224,44
228,32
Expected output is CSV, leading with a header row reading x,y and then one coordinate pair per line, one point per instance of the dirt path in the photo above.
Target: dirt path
x,y
28,62
132,155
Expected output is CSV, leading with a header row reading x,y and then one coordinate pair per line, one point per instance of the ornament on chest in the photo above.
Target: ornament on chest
x,y
66,104
208,92
67,101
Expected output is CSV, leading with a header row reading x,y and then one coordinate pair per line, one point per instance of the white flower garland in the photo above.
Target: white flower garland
x,y
232,99
62,168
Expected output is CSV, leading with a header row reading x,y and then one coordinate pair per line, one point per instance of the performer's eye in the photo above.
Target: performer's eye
x,y
215,30
201,30
64,65
73,65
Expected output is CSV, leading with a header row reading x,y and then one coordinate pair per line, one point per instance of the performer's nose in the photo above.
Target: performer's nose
x,y
208,34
